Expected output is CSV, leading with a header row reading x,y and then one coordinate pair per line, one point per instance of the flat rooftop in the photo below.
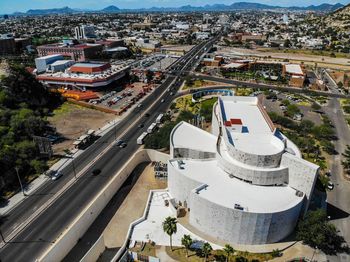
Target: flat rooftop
x,y
257,129
88,65
294,69
226,191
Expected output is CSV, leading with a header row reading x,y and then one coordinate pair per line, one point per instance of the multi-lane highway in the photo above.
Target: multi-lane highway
x,y
29,232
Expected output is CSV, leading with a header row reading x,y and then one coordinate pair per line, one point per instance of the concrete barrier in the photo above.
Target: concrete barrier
x,y
95,251
67,240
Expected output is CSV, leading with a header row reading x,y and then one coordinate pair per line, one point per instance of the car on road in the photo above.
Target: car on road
x,y
96,171
141,125
162,101
56,175
123,145
147,115
330,185
119,142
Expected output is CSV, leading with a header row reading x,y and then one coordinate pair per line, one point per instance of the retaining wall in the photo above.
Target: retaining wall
x,y
67,240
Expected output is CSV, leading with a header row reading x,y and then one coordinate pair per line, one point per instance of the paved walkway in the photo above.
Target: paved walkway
x,y
300,250
163,255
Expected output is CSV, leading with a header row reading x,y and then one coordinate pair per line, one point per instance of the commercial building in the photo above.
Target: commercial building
x,y
86,75
295,74
43,63
243,183
77,52
7,44
84,32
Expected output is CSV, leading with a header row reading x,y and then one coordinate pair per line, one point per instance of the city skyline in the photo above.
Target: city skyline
x,y
7,6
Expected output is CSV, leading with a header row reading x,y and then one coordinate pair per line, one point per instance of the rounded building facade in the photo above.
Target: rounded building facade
x,y
240,183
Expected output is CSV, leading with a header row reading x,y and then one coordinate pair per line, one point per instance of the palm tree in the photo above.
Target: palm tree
x,y
169,227
228,249
206,249
186,241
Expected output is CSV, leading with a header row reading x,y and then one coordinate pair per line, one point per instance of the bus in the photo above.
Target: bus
x,y
141,138
151,128
159,119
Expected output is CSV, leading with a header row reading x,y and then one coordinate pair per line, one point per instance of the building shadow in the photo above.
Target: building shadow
x,y
99,225
335,212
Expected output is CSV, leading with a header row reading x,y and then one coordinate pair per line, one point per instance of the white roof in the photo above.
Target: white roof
x,y
226,191
233,65
294,69
257,136
185,135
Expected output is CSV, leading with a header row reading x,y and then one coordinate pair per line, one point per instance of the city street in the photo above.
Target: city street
x,y
42,231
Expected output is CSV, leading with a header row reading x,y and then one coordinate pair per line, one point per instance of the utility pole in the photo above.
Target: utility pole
x,y
20,182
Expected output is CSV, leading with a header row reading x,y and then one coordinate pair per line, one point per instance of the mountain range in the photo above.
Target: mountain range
x,y
188,8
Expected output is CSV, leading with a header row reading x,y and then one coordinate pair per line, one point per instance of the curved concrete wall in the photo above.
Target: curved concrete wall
x,y
180,186
241,227
267,161
277,176
191,153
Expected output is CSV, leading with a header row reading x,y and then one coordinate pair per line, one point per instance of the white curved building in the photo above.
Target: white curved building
x,y
243,183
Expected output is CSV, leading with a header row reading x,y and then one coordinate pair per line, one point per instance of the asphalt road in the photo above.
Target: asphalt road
x,y
264,86
338,198
30,242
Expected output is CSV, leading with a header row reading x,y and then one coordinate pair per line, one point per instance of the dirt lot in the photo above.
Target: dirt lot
x,y
71,121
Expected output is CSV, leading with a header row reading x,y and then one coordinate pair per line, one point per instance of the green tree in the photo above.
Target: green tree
x,y
315,231
228,249
186,241
206,249
346,161
170,227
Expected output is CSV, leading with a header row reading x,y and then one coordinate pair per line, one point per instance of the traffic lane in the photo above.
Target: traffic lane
x,y
26,208
35,239
264,87
32,241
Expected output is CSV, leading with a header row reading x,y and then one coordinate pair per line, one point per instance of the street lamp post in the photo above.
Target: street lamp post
x,y
20,182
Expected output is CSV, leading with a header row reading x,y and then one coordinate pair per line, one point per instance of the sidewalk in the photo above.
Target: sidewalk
x,y
33,186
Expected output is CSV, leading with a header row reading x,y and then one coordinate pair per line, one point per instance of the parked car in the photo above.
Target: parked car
x,y
330,185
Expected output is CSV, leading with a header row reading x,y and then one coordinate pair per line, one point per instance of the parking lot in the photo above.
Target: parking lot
x,y
157,62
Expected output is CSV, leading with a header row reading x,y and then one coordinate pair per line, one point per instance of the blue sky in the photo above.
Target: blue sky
x,y
10,6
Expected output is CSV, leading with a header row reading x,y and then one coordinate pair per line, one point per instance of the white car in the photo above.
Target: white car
x,y
56,175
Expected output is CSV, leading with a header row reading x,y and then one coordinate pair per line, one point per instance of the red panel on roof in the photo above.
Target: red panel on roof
x,y
227,123
236,121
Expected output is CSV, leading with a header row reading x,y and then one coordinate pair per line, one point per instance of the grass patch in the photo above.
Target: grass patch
x,y
66,108
179,254
147,250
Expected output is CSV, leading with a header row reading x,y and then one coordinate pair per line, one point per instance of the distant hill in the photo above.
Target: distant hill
x,y
63,10
110,9
190,8
339,19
